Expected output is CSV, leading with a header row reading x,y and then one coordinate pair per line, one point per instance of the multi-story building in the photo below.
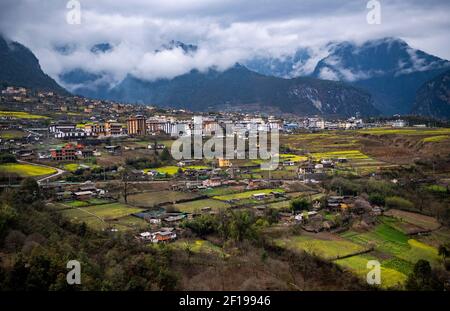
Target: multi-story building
x,y
65,153
136,125
94,128
113,128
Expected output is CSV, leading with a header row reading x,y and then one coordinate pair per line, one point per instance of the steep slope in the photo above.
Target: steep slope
x,y
288,66
388,68
19,67
241,88
433,98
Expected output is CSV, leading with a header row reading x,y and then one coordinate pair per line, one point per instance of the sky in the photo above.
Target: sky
x,y
225,31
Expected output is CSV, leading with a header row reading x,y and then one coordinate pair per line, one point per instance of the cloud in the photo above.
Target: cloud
x,y
226,31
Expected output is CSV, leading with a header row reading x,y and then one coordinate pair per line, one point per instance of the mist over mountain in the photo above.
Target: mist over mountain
x,y
19,67
240,88
388,68
377,76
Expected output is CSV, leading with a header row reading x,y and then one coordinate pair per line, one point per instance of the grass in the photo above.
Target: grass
x,y
422,221
21,115
199,247
391,241
358,264
436,188
103,211
348,154
292,157
435,139
154,198
218,191
72,167
26,170
245,195
327,249
172,169
197,205
94,201
405,131
12,134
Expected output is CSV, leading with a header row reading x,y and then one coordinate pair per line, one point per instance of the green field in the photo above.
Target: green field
x,y
172,169
151,199
218,191
422,221
405,131
358,265
347,154
245,195
390,241
93,201
197,205
21,115
26,170
199,247
435,139
72,167
292,157
12,134
327,249
100,217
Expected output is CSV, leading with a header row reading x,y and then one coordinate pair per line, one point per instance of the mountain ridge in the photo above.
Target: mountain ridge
x,y
20,67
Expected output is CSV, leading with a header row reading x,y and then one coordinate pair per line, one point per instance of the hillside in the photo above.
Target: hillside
x,y
20,67
433,98
240,88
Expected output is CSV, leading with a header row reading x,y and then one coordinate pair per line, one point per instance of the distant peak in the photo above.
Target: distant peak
x,y
174,44
101,48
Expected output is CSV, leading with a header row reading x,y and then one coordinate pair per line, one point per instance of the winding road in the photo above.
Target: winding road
x,y
41,180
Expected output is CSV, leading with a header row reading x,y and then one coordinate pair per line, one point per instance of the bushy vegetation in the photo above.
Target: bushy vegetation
x,y
43,243
230,225
399,203
7,158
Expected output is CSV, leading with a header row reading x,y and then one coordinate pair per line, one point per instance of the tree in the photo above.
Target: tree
x,y
301,204
29,192
7,216
423,278
125,182
444,252
165,155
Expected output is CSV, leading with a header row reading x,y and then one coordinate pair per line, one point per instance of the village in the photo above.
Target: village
x,y
108,166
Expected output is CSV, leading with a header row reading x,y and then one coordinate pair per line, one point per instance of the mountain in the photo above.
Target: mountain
x,y
433,98
173,44
388,68
238,88
19,67
288,66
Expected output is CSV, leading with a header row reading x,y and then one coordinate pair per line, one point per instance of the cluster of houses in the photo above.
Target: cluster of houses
x,y
83,193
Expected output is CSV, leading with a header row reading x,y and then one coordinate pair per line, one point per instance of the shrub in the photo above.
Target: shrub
x,y
7,158
301,204
377,199
345,186
399,203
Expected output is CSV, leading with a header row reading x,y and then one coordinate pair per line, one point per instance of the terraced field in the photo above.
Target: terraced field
x,y
154,198
199,246
246,194
358,264
392,242
422,221
26,170
21,115
327,249
197,205
101,217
